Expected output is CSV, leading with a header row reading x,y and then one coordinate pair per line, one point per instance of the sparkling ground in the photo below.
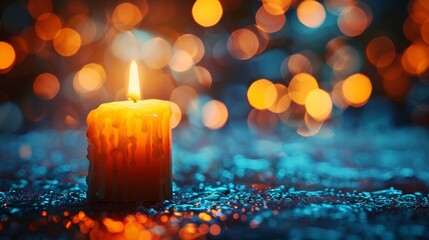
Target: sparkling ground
x,y
229,184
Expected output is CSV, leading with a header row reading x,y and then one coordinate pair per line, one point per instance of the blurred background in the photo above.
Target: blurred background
x,y
306,65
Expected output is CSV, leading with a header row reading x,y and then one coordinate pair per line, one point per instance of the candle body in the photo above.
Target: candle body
x,y
129,151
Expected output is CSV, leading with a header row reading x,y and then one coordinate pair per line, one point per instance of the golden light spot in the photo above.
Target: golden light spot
x,y
262,94
192,45
269,23
90,78
318,104
276,7
113,226
47,26
39,7
157,53
46,86
207,12
299,87
67,42
215,115
132,230
282,101
126,16
415,59
357,89
183,96
7,55
215,230
354,20
176,115
181,61
85,26
204,216
243,44
381,51
311,13
190,231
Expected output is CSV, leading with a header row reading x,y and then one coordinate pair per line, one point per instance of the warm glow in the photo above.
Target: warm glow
x,y
47,26
181,61
381,51
7,55
354,20
300,85
318,104
311,13
90,78
176,115
357,89
183,96
243,44
67,42
283,101
215,114
276,7
207,12
126,16
133,83
415,59
192,45
39,7
46,86
269,23
262,94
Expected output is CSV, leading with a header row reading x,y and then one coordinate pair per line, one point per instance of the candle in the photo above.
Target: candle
x,y
129,149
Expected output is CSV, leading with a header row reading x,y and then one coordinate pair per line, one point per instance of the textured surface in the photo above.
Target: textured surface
x,y
229,184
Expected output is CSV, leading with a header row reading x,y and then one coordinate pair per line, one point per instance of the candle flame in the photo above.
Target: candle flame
x,y
133,83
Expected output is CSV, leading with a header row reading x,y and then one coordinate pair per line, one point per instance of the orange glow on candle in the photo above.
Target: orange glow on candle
x,y
133,83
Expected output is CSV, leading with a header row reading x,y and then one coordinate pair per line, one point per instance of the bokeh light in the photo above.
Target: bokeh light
x,y
183,96
243,44
269,23
357,89
354,20
7,55
215,114
276,7
39,7
176,115
46,86
381,51
283,101
90,78
207,12
157,53
415,59
300,86
262,94
318,104
311,13
192,45
126,16
47,26
67,42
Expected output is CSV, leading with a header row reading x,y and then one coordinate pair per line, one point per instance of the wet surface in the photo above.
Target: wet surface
x,y
230,184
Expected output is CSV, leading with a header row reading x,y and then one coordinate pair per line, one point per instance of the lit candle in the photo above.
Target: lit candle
x,y
129,149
